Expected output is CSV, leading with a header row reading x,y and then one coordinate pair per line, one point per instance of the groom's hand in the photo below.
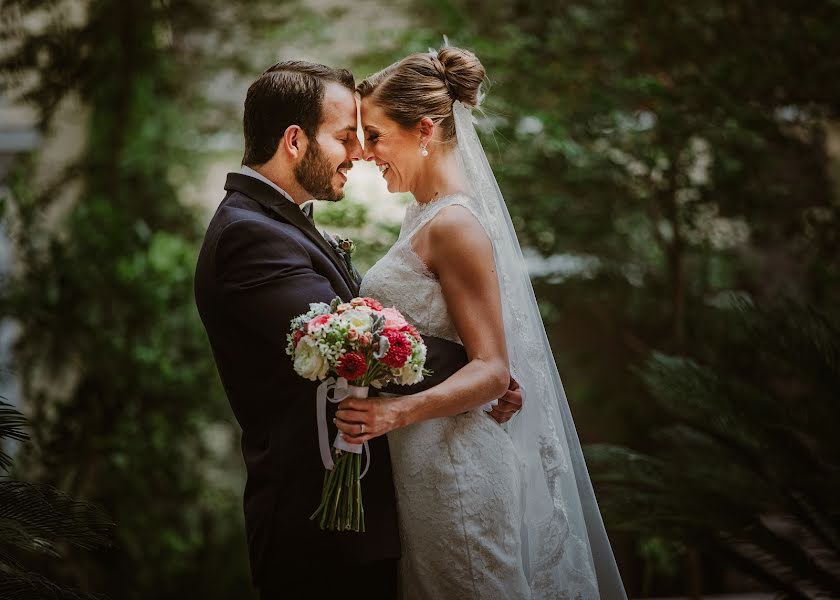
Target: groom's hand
x,y
509,404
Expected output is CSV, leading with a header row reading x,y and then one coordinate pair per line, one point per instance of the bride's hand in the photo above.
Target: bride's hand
x,y
509,404
362,419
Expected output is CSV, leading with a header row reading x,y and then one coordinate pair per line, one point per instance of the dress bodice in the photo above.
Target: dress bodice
x,y
401,279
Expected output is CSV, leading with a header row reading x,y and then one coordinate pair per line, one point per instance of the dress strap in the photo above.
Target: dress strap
x,y
418,215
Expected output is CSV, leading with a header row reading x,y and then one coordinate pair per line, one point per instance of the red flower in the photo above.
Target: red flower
x,y
298,334
352,366
400,349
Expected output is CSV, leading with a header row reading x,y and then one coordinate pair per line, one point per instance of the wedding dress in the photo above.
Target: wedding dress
x,y
486,511
458,479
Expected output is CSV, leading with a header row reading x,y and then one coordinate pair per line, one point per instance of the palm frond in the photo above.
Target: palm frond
x,y
760,571
35,516
11,428
17,584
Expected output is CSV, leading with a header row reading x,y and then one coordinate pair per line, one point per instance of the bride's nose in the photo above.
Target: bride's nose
x,y
367,152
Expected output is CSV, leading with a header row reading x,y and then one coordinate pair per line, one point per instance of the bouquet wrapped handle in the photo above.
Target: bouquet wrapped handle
x,y
341,390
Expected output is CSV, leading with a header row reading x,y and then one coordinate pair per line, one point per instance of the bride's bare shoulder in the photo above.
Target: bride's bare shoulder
x,y
456,233
454,221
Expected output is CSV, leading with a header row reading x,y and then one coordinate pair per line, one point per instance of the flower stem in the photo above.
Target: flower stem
x,y
330,480
339,467
357,486
348,484
324,494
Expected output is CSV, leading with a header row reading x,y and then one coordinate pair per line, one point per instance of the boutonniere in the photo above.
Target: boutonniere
x,y
344,247
346,244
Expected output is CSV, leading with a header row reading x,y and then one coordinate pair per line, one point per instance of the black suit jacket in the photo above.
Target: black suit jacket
x,y
261,264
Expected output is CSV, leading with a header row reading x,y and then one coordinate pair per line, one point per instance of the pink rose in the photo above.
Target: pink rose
x,y
393,319
318,322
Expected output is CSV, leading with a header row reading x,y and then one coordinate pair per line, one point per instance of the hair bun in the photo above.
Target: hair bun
x,y
464,74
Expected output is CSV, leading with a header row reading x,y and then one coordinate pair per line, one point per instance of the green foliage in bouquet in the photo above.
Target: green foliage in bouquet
x,y
748,463
38,520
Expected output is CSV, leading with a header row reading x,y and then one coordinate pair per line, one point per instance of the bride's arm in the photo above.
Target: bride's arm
x,y
459,252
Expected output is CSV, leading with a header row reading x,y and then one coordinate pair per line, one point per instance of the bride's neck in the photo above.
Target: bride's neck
x,y
441,177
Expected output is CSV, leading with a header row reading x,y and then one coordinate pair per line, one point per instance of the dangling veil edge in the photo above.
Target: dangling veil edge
x,y
534,429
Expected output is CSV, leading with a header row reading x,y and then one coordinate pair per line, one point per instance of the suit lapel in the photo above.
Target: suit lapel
x,y
289,212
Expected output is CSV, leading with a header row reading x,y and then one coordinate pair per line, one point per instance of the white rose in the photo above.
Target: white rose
x,y
356,319
409,375
309,362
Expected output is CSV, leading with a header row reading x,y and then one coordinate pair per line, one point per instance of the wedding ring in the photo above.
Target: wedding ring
x,y
361,428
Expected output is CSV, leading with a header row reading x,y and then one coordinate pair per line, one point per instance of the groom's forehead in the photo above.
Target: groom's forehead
x,y
339,107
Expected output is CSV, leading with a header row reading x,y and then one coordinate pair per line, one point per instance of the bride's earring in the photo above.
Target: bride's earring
x,y
423,151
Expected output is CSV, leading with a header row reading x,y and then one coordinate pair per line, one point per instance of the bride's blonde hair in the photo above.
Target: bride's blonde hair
x,y
426,85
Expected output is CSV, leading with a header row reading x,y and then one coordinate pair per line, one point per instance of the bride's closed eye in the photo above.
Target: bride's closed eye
x,y
372,138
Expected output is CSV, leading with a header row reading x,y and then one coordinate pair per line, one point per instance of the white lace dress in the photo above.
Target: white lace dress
x,y
458,479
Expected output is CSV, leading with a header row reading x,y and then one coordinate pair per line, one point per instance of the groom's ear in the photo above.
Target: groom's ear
x,y
294,141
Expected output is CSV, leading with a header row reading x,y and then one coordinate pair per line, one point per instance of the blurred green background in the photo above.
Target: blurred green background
x,y
672,170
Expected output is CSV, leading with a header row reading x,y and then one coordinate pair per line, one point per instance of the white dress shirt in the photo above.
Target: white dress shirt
x,y
252,173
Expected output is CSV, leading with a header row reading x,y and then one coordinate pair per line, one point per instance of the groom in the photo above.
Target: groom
x,y
261,264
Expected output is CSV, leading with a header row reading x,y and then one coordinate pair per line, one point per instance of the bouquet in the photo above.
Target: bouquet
x,y
362,344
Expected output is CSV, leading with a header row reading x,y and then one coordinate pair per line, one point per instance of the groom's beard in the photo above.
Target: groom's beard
x,y
315,174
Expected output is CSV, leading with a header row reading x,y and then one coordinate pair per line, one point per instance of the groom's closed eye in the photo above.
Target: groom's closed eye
x,y
347,134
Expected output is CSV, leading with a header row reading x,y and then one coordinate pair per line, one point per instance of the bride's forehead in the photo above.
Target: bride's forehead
x,y
372,114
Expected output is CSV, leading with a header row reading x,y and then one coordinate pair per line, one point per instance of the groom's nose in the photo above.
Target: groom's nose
x,y
354,149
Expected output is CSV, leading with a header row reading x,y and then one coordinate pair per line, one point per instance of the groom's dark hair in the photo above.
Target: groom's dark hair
x,y
288,93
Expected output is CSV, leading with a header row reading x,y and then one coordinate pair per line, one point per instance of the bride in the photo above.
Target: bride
x,y
485,511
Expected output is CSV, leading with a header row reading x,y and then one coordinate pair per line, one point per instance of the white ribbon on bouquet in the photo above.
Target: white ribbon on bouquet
x,y
341,391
